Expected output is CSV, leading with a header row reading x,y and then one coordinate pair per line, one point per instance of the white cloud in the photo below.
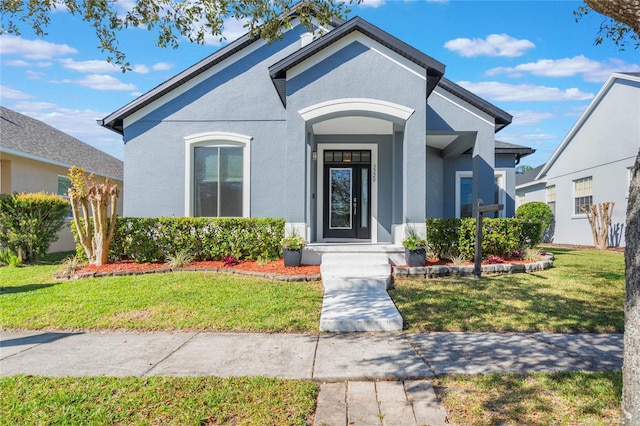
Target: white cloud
x,y
101,82
523,92
34,75
140,69
9,93
32,49
79,123
161,66
233,29
16,63
372,3
529,117
591,70
493,45
93,66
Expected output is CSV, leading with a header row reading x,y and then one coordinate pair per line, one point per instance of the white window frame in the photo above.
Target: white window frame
x,y
548,199
66,196
217,140
502,184
573,198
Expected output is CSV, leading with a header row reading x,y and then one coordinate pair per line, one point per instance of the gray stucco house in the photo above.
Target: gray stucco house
x,y
592,164
350,135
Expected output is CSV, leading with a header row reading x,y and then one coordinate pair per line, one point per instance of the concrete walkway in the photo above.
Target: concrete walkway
x,y
362,375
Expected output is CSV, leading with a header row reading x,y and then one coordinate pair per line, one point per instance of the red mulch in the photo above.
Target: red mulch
x,y
276,267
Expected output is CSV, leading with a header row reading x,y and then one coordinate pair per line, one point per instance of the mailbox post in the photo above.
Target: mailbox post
x,y
490,208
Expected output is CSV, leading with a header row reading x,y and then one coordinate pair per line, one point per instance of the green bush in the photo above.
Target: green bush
x,y
29,223
442,237
155,239
536,211
500,237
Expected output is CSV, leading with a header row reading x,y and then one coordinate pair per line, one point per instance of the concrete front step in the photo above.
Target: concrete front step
x,y
380,283
355,258
356,270
359,310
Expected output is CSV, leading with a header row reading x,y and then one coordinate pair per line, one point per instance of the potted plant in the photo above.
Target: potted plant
x,y
415,249
292,247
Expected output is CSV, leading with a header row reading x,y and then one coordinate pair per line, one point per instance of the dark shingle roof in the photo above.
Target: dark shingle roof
x,y
26,136
526,177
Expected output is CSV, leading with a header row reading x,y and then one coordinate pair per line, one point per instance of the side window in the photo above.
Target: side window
x,y
582,195
464,193
64,183
551,198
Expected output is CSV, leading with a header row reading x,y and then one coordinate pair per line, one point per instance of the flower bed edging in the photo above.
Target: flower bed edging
x,y
467,270
269,276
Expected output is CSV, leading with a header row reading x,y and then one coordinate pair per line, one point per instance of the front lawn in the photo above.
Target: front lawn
x,y
31,299
156,400
583,292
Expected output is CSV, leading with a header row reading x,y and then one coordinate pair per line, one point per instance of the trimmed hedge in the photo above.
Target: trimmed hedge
x,y
153,239
500,237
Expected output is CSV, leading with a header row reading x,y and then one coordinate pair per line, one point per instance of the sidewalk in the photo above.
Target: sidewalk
x,y
382,371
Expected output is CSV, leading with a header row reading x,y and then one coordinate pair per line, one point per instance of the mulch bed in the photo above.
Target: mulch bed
x,y
268,268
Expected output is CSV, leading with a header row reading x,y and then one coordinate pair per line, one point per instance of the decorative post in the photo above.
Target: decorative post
x,y
477,268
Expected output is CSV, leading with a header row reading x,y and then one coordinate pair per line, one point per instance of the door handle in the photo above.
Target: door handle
x,y
355,206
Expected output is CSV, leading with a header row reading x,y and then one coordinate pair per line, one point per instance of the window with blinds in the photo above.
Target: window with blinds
x,y
582,194
551,198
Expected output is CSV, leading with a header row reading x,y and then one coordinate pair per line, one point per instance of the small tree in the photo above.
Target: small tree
x,y
538,211
100,197
29,223
599,216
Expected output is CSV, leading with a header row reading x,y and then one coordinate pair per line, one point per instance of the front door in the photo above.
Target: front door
x,y
347,189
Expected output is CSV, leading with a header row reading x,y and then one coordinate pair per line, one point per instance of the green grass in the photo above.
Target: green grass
x,y
567,398
31,299
583,292
156,400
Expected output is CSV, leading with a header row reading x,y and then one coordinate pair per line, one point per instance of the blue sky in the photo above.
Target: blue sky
x,y
529,58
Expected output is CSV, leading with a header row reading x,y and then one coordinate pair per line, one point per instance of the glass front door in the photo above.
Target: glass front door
x,y
347,201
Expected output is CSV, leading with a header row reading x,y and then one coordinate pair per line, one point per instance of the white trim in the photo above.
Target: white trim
x,y
357,36
467,110
217,139
502,184
321,147
575,215
354,105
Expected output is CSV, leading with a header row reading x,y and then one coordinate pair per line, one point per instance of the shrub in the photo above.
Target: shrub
x,y
442,237
155,239
9,258
179,259
29,223
536,211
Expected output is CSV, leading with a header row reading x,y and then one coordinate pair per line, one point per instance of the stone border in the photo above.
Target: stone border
x,y
467,270
266,275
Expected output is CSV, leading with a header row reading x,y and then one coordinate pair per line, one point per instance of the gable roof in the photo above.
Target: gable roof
x,y
114,121
635,77
528,177
278,71
30,138
502,118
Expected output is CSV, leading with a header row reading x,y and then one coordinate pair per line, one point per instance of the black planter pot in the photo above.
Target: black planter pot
x,y
292,257
416,257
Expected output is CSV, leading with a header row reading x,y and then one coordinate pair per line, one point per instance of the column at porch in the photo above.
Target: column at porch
x,y
414,187
483,161
295,176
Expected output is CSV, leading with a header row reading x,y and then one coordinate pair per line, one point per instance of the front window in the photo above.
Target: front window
x,y
464,193
64,183
582,195
217,175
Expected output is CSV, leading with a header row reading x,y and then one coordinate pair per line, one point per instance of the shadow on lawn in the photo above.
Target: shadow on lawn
x,y
24,288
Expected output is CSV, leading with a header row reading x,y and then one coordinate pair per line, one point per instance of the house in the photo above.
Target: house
x,y
350,135
592,164
35,157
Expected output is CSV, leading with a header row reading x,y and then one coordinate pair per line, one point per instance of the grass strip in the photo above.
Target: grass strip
x,y
156,400
566,398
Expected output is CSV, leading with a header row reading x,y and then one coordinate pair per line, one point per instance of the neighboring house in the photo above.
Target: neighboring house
x,y
35,157
593,164
350,136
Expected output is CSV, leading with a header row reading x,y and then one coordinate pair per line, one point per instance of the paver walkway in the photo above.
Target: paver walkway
x,y
363,375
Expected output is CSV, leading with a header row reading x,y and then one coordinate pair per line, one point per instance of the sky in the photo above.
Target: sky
x,y
529,58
